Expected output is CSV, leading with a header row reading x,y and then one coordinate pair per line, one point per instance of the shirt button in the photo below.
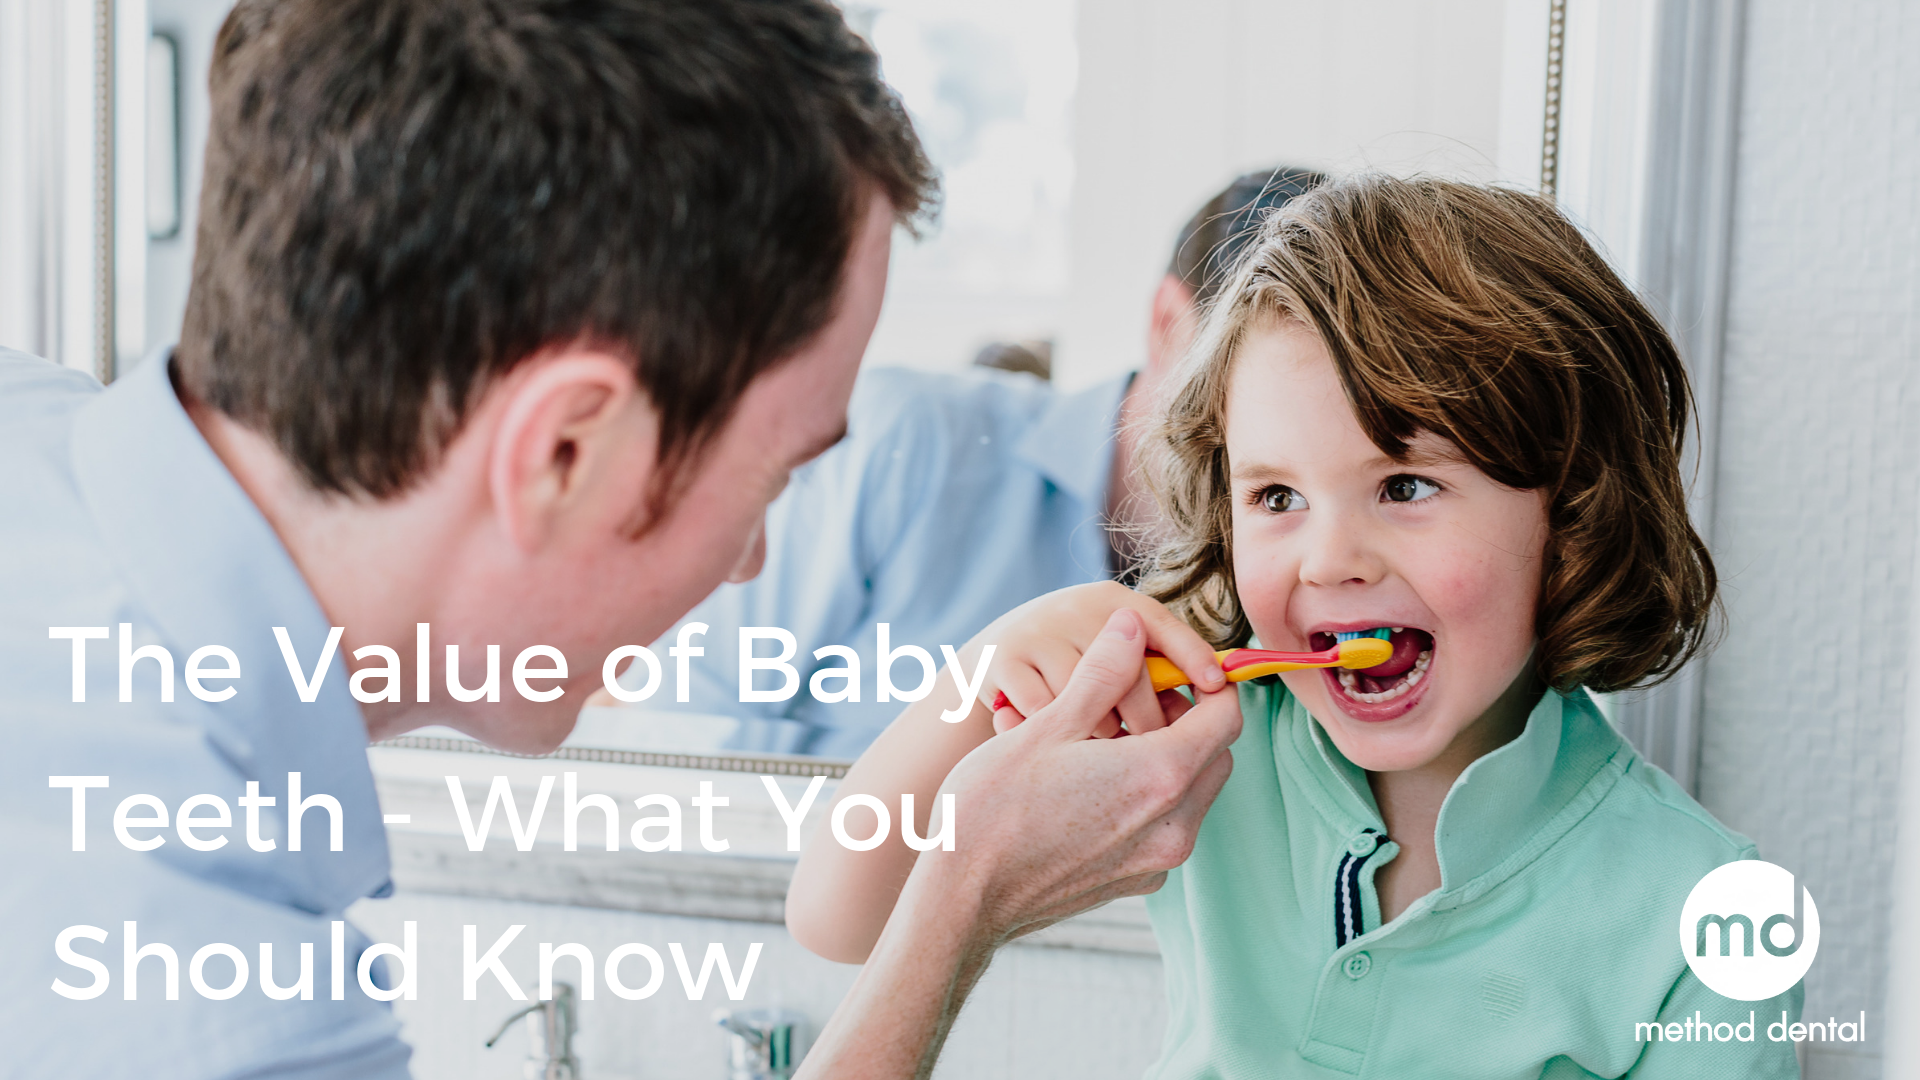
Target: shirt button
x,y
1357,965
1362,846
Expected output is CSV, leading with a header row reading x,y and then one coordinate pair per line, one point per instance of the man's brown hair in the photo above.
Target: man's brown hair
x,y
1213,239
406,198
1483,316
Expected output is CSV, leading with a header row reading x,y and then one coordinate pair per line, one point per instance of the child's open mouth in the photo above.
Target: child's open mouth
x,y
1385,683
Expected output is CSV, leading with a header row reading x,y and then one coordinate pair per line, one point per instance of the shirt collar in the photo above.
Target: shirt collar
x,y
1071,441
1504,805
1507,800
208,568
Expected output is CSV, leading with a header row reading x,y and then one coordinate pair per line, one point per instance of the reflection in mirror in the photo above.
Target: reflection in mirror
x,y
163,137
1067,176
1099,163
181,43
990,87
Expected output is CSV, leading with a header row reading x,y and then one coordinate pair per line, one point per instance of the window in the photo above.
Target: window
x,y
990,86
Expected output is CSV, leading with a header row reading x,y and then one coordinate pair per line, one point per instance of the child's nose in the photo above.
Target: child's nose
x,y
1339,552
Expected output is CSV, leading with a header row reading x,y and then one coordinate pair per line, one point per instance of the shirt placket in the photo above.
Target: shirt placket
x,y
1347,996
1349,904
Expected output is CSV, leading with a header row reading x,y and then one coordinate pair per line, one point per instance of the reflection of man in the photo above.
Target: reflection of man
x,y
955,498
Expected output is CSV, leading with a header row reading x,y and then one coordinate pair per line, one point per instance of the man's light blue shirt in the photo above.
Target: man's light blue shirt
x,y
954,499
118,512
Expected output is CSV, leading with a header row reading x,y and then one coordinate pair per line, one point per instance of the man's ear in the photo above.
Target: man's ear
x,y
1171,325
575,440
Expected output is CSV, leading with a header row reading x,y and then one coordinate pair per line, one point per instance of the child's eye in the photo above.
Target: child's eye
x,y
1280,499
1405,489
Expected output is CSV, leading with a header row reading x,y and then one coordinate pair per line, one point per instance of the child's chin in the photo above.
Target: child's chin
x,y
1382,749
1378,754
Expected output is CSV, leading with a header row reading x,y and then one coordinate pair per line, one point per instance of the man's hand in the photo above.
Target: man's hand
x,y
1054,823
1038,647
1049,822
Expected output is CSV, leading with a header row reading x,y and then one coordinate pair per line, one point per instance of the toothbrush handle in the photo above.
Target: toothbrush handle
x,y
1166,676
1162,671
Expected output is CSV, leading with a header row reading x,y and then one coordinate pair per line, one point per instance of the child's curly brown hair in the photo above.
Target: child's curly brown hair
x,y
1481,315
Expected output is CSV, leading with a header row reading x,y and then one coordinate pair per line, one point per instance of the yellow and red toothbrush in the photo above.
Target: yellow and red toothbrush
x,y
1357,653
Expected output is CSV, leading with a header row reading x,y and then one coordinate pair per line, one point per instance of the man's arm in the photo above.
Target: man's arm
x,y
895,1019
1050,823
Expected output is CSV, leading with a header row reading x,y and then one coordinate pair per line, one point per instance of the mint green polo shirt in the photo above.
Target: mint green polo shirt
x,y
1564,862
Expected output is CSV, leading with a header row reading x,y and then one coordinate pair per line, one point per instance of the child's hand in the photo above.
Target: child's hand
x,y
1037,645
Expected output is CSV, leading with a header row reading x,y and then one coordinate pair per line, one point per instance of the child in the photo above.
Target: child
x,y
1429,408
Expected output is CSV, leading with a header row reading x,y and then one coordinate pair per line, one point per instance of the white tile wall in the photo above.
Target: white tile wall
x,y
1820,430
1039,1013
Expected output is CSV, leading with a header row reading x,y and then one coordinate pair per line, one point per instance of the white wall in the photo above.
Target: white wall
x,y
1815,505
1175,100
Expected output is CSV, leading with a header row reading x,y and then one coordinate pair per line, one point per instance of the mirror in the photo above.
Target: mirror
x,y
1074,142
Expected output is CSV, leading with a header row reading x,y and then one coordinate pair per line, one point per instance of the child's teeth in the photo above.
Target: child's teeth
x,y
1399,629
1350,682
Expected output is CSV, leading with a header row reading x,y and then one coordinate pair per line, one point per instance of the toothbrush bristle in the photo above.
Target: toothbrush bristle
x,y
1381,632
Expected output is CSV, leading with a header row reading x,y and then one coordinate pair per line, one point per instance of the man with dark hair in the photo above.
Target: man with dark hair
x,y
564,175
956,497
508,319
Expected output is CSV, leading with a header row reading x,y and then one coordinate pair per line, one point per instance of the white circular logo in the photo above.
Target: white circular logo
x,y
1749,931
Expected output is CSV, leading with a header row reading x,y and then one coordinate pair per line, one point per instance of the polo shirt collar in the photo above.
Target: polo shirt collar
x,y
1498,809
1071,442
209,569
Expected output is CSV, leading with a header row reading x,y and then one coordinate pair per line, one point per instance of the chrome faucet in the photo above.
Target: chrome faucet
x,y
762,1046
551,1026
